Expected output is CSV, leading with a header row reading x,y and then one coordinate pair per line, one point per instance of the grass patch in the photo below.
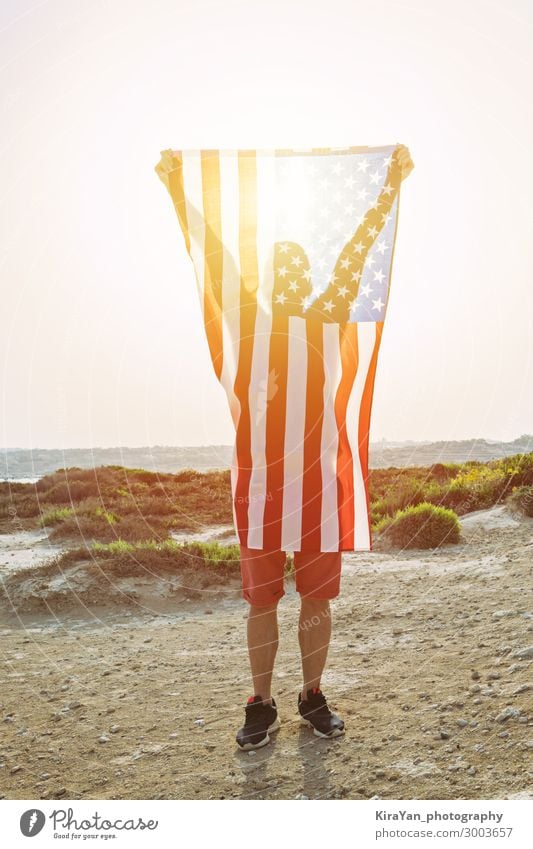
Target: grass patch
x,y
55,516
111,518
423,526
206,554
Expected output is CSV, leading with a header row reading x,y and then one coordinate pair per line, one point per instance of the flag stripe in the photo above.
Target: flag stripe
x,y
294,435
366,337
314,413
275,431
213,257
192,183
345,477
248,310
364,430
229,205
234,476
260,385
170,170
330,439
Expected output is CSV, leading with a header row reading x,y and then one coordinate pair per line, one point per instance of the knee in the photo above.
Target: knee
x,y
314,605
262,609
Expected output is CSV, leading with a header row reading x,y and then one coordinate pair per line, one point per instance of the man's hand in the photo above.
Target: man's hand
x,y
404,158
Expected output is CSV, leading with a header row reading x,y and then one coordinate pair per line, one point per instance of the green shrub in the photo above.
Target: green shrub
x,y
423,526
164,557
518,469
488,481
22,506
443,471
406,494
105,514
54,517
99,528
188,475
213,554
68,492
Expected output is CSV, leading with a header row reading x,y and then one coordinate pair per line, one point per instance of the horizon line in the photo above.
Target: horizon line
x,y
378,442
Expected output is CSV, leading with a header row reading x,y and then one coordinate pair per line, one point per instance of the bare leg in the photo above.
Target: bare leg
x,y
262,631
314,634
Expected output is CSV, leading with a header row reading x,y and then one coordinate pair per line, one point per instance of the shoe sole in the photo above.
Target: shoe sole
x,y
249,746
337,732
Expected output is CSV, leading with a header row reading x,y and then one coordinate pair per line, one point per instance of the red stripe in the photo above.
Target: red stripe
x,y
364,418
248,310
213,256
275,432
345,479
314,417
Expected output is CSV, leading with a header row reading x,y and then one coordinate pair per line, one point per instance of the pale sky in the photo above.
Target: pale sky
x,y
101,340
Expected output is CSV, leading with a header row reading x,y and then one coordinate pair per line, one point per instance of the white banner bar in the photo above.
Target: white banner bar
x,y
350,823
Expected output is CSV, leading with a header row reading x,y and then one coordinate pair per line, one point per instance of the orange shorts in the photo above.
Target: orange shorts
x,y
318,574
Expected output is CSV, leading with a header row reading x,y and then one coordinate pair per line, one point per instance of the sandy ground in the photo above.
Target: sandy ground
x,y
430,666
25,548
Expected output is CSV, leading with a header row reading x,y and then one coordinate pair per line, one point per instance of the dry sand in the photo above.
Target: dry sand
x,y
430,666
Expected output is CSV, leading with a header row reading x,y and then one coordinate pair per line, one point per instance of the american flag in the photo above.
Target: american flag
x,y
293,251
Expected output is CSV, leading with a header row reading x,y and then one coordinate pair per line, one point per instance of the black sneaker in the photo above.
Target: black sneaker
x,y
315,713
260,720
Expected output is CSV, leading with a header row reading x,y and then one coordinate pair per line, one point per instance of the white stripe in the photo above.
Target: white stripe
x,y
291,528
231,282
234,474
260,385
194,205
330,438
366,339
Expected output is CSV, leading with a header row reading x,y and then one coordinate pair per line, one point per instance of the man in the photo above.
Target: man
x,y
317,572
